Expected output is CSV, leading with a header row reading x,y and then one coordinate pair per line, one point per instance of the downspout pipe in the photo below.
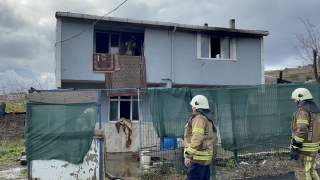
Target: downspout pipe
x,y
172,53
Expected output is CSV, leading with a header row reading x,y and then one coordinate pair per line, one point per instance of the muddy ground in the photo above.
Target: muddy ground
x,y
12,170
253,166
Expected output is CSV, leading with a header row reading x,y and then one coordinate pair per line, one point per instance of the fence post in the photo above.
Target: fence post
x,y
140,130
235,151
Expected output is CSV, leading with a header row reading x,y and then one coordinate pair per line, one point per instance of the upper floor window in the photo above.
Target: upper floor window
x,y
123,107
215,48
106,42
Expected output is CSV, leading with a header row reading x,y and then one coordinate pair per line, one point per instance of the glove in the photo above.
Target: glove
x,y
296,144
294,153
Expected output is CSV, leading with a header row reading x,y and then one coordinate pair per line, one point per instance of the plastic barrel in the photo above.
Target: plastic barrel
x,y
168,143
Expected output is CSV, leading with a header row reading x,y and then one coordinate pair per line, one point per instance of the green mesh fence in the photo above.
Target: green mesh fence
x,y
165,113
59,131
250,119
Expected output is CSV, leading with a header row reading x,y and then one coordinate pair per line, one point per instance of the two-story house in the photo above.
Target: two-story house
x,y
95,52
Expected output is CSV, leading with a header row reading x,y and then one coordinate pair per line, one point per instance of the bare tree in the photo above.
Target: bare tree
x,y
15,89
308,44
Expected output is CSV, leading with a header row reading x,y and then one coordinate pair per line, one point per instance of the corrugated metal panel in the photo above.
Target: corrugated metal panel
x,y
62,170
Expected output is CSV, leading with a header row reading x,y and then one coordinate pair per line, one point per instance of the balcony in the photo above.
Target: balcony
x,y
121,71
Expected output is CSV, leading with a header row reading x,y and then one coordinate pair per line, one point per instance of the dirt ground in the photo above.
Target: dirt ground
x,y
12,170
261,165
125,166
248,167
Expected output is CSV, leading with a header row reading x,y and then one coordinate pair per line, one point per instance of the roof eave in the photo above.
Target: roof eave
x,y
160,24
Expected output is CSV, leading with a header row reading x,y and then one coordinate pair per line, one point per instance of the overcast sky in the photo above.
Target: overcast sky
x,y
27,27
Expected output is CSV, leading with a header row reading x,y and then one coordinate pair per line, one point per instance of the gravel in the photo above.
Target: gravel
x,y
250,167
253,167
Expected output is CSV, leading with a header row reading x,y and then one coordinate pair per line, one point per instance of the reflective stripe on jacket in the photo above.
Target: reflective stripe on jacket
x,y
193,138
301,124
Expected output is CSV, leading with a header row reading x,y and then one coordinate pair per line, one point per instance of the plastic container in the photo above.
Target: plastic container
x,y
145,159
168,143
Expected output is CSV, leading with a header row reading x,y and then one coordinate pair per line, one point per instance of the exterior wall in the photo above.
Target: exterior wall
x,y
262,60
116,142
76,53
203,72
165,63
57,53
158,55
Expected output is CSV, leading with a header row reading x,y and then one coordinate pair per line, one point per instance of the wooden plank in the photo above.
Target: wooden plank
x,y
65,97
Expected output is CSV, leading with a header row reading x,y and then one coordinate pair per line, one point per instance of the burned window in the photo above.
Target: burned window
x,y
121,43
102,42
107,42
214,47
123,107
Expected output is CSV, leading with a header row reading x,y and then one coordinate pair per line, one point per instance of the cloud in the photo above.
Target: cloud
x,y
286,62
24,44
27,28
8,19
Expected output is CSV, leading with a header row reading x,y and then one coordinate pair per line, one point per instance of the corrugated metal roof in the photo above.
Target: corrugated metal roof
x,y
161,24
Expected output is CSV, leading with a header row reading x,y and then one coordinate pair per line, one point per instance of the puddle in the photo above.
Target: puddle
x,y
122,165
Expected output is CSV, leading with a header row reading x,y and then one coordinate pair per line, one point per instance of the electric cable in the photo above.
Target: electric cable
x,y
91,24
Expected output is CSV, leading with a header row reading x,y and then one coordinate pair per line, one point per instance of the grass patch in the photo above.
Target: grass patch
x,y
11,149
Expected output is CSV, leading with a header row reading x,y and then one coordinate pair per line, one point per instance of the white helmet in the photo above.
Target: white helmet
x,y
199,102
301,94
89,111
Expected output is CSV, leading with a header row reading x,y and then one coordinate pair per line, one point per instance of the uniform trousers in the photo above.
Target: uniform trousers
x,y
198,172
304,168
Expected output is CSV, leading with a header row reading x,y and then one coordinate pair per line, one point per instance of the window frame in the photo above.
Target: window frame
x,y
109,43
118,99
232,48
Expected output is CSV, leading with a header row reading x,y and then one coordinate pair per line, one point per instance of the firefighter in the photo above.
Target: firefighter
x,y
131,45
198,140
305,135
85,120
